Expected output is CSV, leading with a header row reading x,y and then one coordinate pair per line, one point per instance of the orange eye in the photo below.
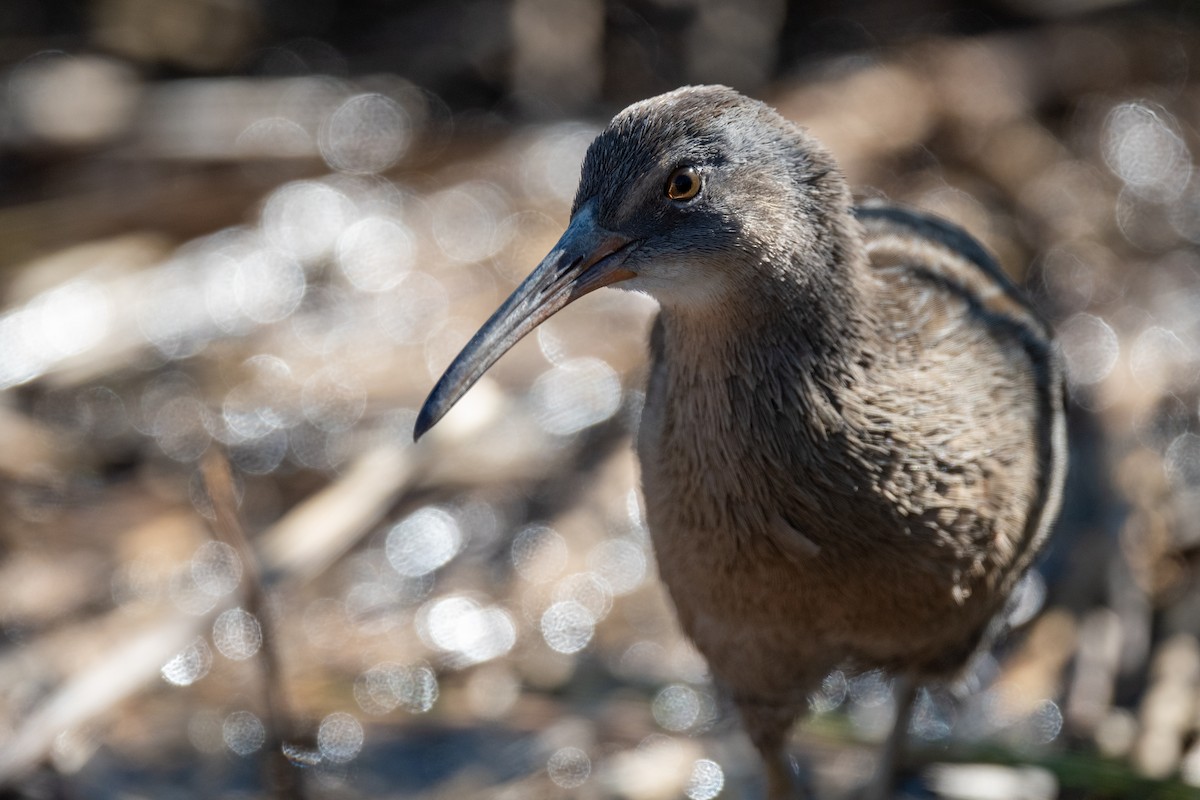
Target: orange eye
x,y
684,184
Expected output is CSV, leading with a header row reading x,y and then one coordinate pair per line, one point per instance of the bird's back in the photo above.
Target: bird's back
x,y
960,321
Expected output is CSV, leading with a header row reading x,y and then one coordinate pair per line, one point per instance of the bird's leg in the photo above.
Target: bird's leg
x,y
883,782
768,725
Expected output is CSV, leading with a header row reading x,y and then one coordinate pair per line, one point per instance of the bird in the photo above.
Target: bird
x,y
852,443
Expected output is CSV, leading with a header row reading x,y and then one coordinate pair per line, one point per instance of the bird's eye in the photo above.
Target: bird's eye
x,y
684,184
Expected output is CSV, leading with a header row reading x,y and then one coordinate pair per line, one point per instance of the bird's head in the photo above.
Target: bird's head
x,y
689,196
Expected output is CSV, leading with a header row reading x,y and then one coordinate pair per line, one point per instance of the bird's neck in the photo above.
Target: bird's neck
x,y
758,386
807,321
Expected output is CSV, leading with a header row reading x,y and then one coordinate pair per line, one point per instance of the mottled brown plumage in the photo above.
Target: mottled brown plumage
x,y
852,443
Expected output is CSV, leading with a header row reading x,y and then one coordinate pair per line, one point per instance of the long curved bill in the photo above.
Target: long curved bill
x,y
585,258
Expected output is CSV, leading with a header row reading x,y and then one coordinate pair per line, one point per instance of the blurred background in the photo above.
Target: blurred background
x,y
240,238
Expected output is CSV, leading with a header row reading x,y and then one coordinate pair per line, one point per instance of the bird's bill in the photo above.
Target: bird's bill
x,y
586,258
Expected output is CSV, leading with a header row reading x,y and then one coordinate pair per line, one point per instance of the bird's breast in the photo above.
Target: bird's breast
x,y
717,504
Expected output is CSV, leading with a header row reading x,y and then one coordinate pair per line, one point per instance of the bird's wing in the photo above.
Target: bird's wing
x,y
966,286
953,256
